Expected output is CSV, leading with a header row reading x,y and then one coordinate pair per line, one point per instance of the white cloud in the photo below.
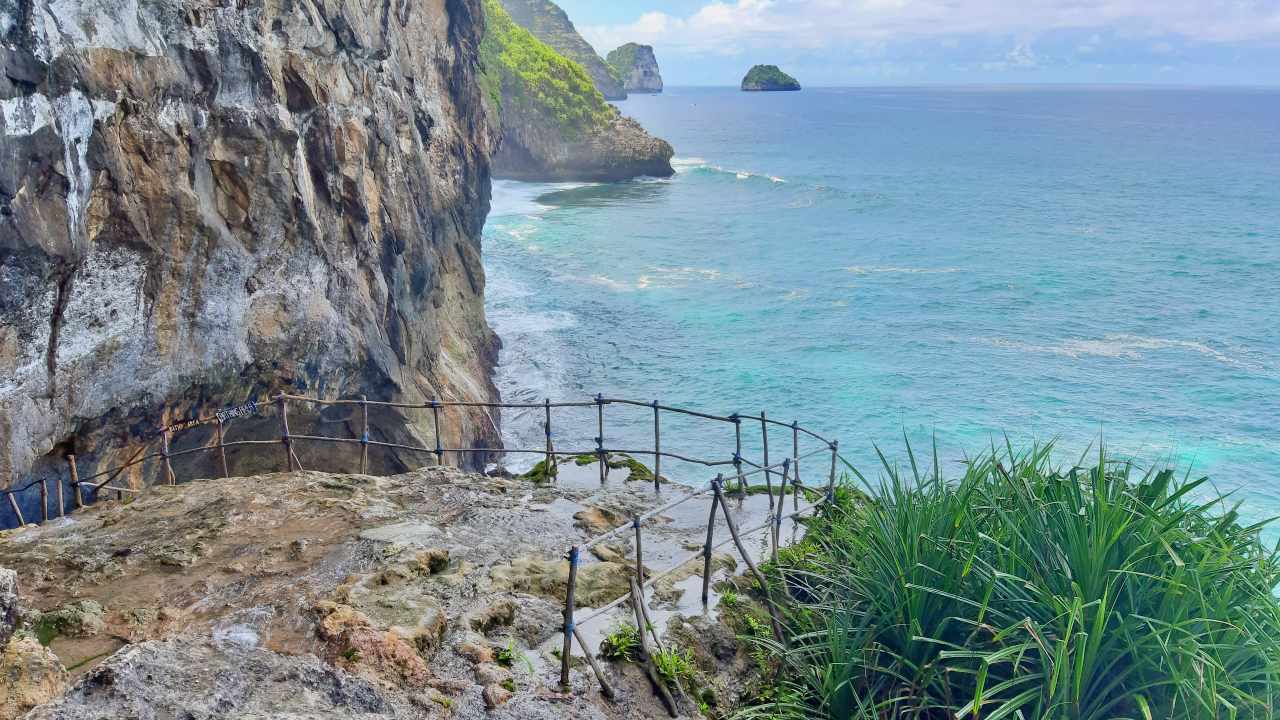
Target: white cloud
x,y
734,25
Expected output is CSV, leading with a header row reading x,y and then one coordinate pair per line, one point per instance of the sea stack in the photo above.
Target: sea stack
x,y
638,68
768,78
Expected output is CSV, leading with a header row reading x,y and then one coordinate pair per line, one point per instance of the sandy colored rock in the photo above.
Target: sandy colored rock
x,y
8,604
30,675
598,520
598,583
496,696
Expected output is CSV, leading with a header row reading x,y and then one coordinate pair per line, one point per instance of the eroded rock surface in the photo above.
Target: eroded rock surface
x,y
205,202
430,594
638,67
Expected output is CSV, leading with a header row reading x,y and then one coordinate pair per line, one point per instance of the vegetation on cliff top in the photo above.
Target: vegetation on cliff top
x,y
521,74
549,23
1023,590
769,77
623,59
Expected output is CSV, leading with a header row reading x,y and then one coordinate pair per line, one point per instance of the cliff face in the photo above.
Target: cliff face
x,y
638,68
203,203
552,26
555,125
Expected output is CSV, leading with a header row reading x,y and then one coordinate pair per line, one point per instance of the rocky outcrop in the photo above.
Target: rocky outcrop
x,y
552,26
534,151
554,125
203,203
768,78
308,594
30,675
638,68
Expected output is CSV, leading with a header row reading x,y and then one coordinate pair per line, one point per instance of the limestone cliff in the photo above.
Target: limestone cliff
x,y
205,202
638,68
555,125
549,23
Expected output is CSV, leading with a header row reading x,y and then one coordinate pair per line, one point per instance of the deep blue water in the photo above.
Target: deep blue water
x,y
1050,264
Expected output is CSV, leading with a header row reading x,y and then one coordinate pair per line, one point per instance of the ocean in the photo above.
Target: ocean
x,y
939,266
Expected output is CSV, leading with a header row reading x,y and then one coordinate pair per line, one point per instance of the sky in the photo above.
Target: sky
x,y
904,42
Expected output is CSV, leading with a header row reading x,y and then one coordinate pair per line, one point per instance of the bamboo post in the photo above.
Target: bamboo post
x,y
569,627
831,481
635,523
284,432
637,604
706,549
604,463
657,450
549,465
595,666
364,434
44,500
62,501
795,466
768,474
222,449
760,578
13,503
737,452
435,416
75,482
170,478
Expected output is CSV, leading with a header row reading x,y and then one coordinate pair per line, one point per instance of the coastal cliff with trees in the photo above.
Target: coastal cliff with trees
x,y
550,24
638,67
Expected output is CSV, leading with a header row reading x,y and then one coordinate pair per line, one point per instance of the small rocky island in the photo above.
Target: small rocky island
x,y
768,78
638,68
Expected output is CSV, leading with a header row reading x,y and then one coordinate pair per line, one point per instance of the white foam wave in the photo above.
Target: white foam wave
x,y
892,270
673,277
682,165
1126,347
514,198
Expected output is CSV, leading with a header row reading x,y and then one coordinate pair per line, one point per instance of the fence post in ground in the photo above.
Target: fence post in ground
x,y
604,462
13,503
637,604
595,666
435,415
737,452
170,478
284,432
764,438
746,556
364,434
831,481
782,506
567,650
222,449
75,482
657,450
549,469
795,453
44,500
62,502
706,549
635,523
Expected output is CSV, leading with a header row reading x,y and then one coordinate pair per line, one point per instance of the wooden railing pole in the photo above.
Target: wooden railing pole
x,y
13,503
569,627
637,604
657,449
75,482
635,523
364,434
706,549
595,666
222,449
44,500
831,481
604,462
764,438
795,452
549,465
737,452
746,556
435,419
62,502
170,478
284,432
782,505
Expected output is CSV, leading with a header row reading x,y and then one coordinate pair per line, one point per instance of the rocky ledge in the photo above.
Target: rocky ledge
x,y
769,78
310,594
620,150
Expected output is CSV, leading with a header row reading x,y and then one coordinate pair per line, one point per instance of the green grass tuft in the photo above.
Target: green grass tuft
x,y
622,643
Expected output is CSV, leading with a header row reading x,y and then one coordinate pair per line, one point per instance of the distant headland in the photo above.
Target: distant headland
x,y
768,78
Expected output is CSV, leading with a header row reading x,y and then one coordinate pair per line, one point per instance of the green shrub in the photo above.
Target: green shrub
x,y
521,74
674,666
1026,591
622,643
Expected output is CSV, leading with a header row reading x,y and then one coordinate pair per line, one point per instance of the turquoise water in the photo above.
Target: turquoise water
x,y
1060,264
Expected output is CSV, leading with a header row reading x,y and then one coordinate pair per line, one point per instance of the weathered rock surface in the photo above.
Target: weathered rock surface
x,y
638,67
311,594
8,604
30,675
550,24
534,150
202,203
